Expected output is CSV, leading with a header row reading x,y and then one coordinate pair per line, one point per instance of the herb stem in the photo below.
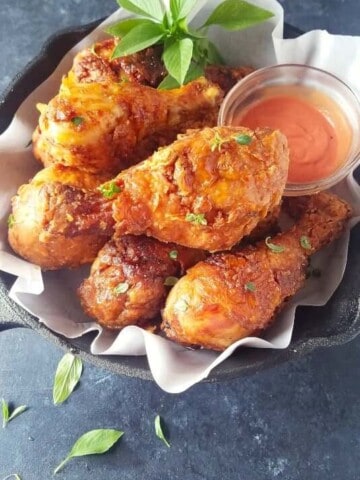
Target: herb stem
x,y
61,465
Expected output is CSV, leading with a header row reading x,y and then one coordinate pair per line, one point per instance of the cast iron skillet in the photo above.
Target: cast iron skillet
x,y
334,324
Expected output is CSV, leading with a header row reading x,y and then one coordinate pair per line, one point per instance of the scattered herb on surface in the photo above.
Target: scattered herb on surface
x,y
198,218
77,121
121,288
186,51
274,248
250,287
108,190
173,254
13,476
11,220
170,281
7,416
67,375
243,139
93,442
305,242
159,432
217,142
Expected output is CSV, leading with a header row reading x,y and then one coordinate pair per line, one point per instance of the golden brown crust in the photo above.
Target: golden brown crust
x,y
206,190
58,221
140,265
231,296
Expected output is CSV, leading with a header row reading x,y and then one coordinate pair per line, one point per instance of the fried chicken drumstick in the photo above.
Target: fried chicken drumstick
x,y
128,280
234,295
59,219
207,190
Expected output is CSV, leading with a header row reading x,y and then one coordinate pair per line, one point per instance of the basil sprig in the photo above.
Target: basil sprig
x,y
7,416
159,432
92,443
186,51
67,375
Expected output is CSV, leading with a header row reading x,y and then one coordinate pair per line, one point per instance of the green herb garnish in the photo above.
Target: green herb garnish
x,y
217,142
13,476
121,288
110,189
67,376
243,139
181,305
274,248
92,443
77,121
186,51
11,220
250,287
198,218
170,281
173,254
7,416
159,432
305,242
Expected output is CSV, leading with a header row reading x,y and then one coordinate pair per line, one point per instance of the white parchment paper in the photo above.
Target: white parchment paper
x,y
51,297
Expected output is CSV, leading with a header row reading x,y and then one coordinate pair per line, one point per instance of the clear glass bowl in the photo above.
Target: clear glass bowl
x,y
261,83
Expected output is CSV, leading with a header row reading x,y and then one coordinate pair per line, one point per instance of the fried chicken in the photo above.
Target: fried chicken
x,y
128,280
59,219
234,295
105,127
207,190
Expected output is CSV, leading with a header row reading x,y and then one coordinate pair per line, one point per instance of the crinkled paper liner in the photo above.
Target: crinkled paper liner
x,y
51,297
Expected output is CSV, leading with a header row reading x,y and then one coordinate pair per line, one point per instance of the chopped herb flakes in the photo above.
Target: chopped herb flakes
x,y
198,218
173,254
274,248
108,190
11,220
77,121
181,305
170,281
121,288
305,242
243,139
250,287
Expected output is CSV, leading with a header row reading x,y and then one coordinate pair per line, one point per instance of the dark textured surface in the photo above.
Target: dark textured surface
x,y
297,421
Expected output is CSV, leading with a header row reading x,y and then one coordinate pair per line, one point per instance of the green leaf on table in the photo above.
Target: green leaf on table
x,y
7,416
159,432
139,38
177,58
195,71
237,15
94,442
122,28
145,8
67,375
12,476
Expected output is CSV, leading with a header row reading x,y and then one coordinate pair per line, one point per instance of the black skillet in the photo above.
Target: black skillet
x,y
336,323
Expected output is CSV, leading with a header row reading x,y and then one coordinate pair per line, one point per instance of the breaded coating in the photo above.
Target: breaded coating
x,y
108,126
128,280
59,219
234,295
207,190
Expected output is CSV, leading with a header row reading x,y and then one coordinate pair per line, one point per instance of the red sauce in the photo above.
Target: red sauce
x,y
317,146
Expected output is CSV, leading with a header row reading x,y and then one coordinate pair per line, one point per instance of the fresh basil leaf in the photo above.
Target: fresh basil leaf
x,y
159,432
7,416
237,15
181,8
139,38
213,55
177,58
122,28
168,83
93,442
67,376
146,8
13,476
18,411
5,412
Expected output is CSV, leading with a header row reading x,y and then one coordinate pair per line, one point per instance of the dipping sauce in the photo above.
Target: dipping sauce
x,y
318,133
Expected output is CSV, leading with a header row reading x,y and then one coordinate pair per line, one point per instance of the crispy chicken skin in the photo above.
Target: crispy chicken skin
x,y
108,126
59,219
126,282
206,190
231,296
